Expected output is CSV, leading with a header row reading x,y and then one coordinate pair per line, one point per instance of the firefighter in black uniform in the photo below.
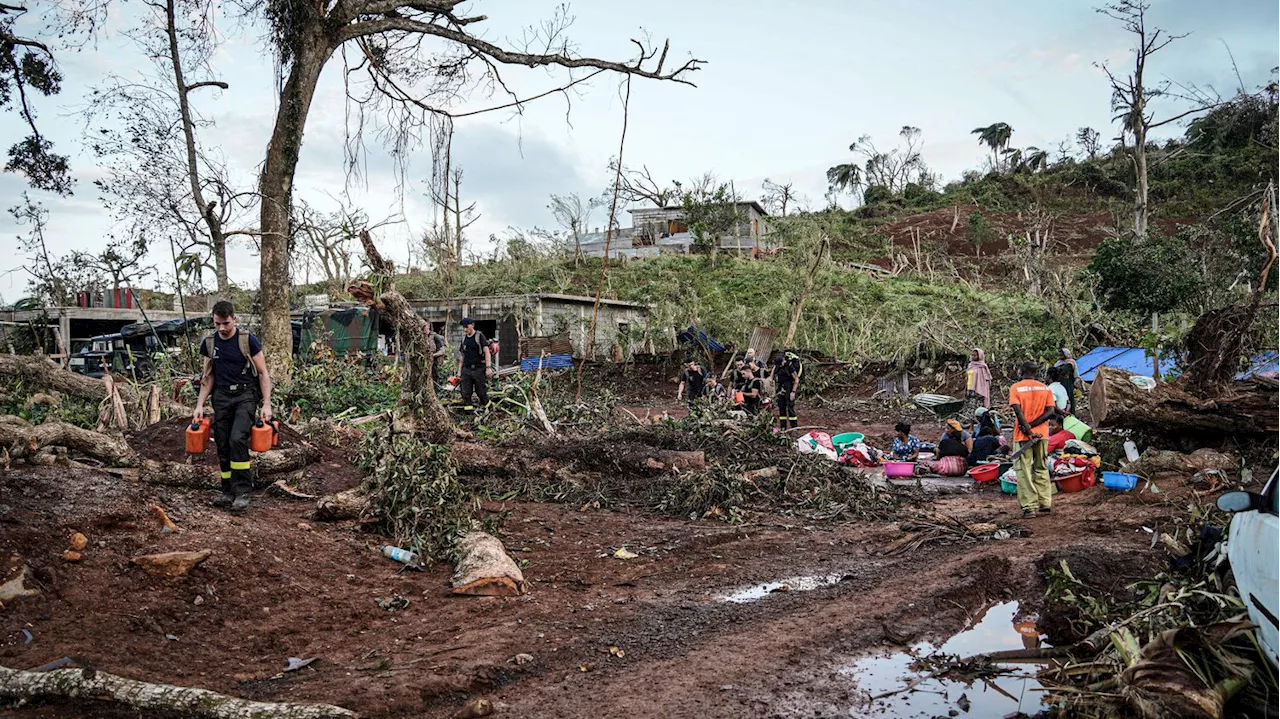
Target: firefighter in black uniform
x,y
786,374
475,370
235,373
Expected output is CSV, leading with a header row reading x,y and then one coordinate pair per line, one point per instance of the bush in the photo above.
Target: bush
x,y
1156,274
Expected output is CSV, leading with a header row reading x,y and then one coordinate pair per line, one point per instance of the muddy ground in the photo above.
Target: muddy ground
x,y
281,585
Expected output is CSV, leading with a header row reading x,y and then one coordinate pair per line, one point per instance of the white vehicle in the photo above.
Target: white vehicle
x,y
1253,549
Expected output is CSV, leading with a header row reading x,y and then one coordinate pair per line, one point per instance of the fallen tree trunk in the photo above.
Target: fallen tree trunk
x,y
484,569
1243,408
185,701
195,476
48,375
545,457
24,440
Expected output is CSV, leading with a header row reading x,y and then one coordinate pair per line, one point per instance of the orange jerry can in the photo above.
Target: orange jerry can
x,y
262,436
197,436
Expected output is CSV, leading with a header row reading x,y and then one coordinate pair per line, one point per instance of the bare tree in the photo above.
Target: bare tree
x,y
778,195
638,185
1089,140
892,169
574,215
1131,95
120,261
50,282
159,180
328,241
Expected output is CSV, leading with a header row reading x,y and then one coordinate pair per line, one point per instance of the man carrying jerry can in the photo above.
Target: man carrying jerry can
x,y
235,373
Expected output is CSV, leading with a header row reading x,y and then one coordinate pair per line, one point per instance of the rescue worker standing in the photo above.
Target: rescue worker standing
x,y
439,347
475,370
786,374
235,373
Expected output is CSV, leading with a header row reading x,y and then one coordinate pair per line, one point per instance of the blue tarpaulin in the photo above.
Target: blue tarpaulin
x,y
693,334
530,364
1130,359
1266,364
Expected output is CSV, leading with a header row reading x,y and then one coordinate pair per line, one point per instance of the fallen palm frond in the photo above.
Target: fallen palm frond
x,y
1176,645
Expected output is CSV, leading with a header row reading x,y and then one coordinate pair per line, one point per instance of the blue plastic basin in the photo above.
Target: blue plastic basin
x,y
1119,480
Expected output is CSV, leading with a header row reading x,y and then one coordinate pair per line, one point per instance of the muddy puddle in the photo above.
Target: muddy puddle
x,y
756,592
890,687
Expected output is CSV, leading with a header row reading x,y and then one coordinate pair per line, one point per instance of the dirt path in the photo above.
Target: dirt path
x,y
274,589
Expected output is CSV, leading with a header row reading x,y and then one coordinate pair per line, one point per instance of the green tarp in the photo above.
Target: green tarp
x,y
350,330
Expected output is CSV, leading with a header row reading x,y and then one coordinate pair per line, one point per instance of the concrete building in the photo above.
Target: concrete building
x,y
75,325
662,230
511,318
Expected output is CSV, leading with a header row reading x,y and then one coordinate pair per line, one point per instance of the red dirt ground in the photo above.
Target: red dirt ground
x,y
274,589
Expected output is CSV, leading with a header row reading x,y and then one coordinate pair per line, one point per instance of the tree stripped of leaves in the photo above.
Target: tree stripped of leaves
x,y
891,169
417,60
778,196
159,179
27,68
1131,95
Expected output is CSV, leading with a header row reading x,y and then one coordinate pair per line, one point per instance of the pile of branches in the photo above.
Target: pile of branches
x,y
1180,646
747,469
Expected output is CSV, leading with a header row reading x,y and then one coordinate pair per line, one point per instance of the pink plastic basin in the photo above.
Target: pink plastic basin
x,y
899,469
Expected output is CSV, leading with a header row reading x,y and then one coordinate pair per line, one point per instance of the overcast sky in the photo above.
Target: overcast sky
x,y
786,88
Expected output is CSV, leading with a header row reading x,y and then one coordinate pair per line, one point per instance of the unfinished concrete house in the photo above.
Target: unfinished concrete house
x,y
662,230
533,321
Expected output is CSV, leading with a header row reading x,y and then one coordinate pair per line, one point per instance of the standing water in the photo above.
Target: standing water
x,y
890,687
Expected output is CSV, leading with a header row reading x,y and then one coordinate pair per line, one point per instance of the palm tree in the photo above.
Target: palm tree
x,y
996,137
1033,158
845,178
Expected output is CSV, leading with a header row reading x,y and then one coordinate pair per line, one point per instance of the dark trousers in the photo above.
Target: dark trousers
x,y
232,419
787,409
435,373
473,378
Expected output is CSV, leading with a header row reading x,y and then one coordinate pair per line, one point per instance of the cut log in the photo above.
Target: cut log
x,y
26,441
47,375
484,569
89,684
1244,408
262,469
349,504
540,458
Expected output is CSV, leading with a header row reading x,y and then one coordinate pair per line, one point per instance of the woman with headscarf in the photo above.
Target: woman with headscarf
x,y
979,376
1068,372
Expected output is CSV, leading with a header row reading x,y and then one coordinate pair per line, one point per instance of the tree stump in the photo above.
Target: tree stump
x,y
484,569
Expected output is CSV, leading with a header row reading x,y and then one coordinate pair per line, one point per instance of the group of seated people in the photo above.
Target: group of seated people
x,y
959,448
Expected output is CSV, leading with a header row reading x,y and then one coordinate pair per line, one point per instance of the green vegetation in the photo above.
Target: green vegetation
x,y
850,314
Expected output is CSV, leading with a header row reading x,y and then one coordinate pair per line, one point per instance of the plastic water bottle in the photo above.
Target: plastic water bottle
x,y
403,556
1130,450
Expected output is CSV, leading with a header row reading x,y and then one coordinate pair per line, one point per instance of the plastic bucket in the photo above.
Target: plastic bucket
x,y
840,441
985,472
1071,482
1119,481
1008,486
899,469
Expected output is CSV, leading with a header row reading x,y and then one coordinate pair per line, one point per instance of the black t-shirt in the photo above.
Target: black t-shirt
x,y
229,362
950,447
695,381
473,349
752,403
786,374
438,341
983,448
